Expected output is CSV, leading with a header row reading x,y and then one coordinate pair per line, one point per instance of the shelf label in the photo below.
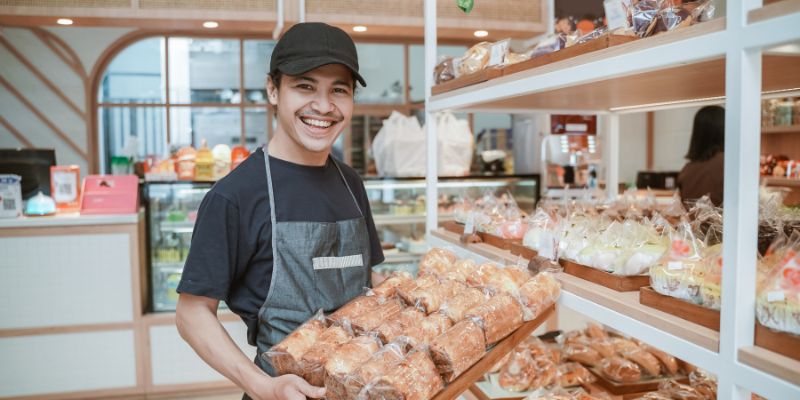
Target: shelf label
x,y
469,228
547,245
616,13
776,296
673,265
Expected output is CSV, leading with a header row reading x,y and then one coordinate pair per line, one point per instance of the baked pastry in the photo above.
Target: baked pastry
x,y
388,288
539,349
498,317
420,283
679,391
436,262
312,363
539,292
433,326
669,362
458,348
414,378
705,384
647,361
595,331
372,319
349,356
582,353
285,356
359,305
482,275
573,374
622,344
465,299
381,363
604,347
431,298
460,270
620,370
516,375
407,319
475,59
546,373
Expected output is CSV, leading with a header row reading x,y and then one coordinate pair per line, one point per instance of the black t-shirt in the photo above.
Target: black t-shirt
x,y
230,257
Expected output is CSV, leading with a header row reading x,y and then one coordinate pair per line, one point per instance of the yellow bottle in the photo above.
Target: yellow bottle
x,y
204,164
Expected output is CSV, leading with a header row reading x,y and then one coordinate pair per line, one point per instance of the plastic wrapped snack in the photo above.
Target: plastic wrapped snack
x,y
474,60
433,326
460,270
604,347
414,378
458,348
711,287
312,364
778,302
346,359
620,370
436,261
516,375
431,298
482,274
443,71
595,331
388,288
467,298
498,317
679,273
582,353
540,349
420,283
371,320
679,391
285,356
623,344
539,292
573,374
648,362
409,318
359,305
669,363
380,364
704,384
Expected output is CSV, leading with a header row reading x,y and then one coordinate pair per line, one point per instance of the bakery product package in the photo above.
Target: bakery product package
x,y
465,299
372,319
414,378
407,320
359,305
312,363
458,348
345,360
424,281
285,356
498,317
436,261
539,292
620,370
379,364
429,299
388,287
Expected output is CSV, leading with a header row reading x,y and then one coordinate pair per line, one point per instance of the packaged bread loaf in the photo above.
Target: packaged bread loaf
x,y
604,347
573,374
436,262
704,384
285,356
539,349
407,320
582,353
388,288
595,331
648,362
386,310
546,373
405,292
623,344
679,391
498,317
431,298
347,358
414,378
620,370
465,299
539,292
516,375
379,364
460,270
359,305
482,275
474,60
669,362
433,326
312,364
458,348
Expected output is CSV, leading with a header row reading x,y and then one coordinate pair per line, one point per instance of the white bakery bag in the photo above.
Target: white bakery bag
x,y
456,145
396,147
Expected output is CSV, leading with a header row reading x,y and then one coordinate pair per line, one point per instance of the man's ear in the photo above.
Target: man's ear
x,y
272,92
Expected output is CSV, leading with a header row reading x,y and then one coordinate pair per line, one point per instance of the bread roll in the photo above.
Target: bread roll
x,y
460,270
539,292
573,374
604,347
669,362
312,364
622,344
546,373
595,331
388,288
467,298
582,353
436,262
285,356
499,317
482,275
620,370
415,378
458,348
647,361
516,375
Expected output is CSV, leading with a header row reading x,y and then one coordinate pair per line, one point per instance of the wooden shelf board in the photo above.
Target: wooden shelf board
x,y
677,83
626,303
772,363
781,129
774,181
773,10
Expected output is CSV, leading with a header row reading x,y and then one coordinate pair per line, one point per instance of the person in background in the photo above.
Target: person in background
x,y
703,174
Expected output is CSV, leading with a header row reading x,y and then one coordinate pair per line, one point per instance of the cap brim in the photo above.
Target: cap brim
x,y
300,67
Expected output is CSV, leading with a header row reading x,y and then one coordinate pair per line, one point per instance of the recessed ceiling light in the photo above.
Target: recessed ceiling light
x,y
359,28
64,21
481,33
210,24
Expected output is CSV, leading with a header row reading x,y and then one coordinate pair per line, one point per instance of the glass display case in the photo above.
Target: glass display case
x,y
398,208
171,212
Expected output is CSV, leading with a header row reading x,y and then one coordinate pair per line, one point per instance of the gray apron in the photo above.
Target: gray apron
x,y
315,266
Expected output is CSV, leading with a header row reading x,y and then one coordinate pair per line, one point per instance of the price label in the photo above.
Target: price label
x,y
616,14
776,296
497,53
469,228
547,245
672,265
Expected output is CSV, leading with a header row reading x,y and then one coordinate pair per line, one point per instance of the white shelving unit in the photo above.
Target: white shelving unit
x,y
707,62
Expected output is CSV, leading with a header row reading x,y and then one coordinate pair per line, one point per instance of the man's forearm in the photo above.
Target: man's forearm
x,y
198,325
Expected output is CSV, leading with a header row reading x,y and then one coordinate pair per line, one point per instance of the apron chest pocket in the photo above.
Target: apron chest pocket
x,y
321,263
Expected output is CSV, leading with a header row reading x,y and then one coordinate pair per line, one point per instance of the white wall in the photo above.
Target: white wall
x,y
672,131
632,146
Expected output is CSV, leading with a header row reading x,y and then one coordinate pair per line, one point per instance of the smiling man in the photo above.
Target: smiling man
x,y
288,232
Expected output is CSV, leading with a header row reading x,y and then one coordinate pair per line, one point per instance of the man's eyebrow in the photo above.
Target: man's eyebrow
x,y
342,83
305,78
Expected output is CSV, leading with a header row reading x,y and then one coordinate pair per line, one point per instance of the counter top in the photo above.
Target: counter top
x,y
69,219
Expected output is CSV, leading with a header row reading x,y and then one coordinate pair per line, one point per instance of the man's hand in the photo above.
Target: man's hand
x,y
286,387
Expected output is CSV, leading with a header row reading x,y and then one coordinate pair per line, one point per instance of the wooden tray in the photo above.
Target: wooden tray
x,y
497,241
779,342
679,308
467,80
518,249
642,386
611,281
603,42
476,372
480,393
453,226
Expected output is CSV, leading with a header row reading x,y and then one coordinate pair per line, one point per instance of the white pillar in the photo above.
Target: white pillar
x,y
612,154
431,177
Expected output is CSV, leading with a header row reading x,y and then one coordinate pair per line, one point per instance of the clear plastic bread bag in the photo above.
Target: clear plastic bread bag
x,y
414,378
678,273
647,246
499,317
540,222
516,375
475,59
778,302
539,293
285,356
381,363
312,363
444,71
458,348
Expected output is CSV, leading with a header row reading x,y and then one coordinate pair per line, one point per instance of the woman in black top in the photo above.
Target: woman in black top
x,y
704,173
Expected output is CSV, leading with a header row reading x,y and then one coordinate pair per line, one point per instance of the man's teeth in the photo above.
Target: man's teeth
x,y
317,123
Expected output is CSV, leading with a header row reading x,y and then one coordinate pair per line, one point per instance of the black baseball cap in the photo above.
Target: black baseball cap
x,y
310,45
